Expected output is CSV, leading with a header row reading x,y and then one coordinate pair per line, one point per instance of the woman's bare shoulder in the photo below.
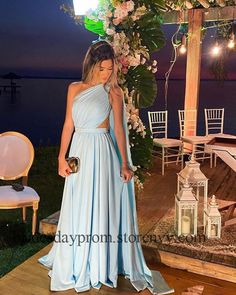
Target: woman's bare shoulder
x,y
116,91
76,85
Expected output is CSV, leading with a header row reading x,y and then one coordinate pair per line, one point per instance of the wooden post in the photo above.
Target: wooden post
x,y
195,17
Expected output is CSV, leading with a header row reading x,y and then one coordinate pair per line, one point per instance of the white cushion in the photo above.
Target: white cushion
x,y
14,156
167,142
10,197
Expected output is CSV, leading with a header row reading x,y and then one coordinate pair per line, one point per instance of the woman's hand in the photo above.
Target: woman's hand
x,y
63,168
126,173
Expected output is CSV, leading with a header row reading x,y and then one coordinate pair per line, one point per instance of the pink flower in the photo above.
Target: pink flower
x,y
130,5
120,13
124,70
124,64
109,14
116,21
110,32
124,61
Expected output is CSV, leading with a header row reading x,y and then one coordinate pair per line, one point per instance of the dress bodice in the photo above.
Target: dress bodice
x,y
91,106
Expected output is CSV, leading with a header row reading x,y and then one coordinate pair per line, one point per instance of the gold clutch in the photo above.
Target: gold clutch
x,y
74,163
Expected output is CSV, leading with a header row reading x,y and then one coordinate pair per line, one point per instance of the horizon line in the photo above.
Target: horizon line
x,y
74,78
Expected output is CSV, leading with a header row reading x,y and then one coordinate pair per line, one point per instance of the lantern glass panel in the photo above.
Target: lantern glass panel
x,y
187,221
214,230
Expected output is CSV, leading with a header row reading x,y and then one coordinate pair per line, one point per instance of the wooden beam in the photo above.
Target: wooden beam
x,y
204,268
193,63
210,14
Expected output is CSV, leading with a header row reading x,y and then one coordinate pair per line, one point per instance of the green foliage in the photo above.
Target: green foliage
x,y
141,152
156,6
149,28
94,26
143,82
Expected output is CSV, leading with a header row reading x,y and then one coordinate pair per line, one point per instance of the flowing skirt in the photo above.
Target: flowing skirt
x,y
97,234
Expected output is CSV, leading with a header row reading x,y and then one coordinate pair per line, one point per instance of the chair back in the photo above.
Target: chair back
x,y
16,155
187,122
214,120
158,123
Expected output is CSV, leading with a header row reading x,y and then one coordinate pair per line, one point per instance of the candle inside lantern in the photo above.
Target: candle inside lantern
x,y
213,230
185,225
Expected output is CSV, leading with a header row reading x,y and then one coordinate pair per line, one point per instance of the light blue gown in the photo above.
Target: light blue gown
x,y
97,232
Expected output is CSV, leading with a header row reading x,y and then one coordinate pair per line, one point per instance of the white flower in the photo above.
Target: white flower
x,y
134,60
143,60
130,5
154,70
138,13
101,15
110,32
154,63
134,168
149,68
134,117
134,17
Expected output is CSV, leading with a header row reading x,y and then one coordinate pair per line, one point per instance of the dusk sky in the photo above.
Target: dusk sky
x,y
39,39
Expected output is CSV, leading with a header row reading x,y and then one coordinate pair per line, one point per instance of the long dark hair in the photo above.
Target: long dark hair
x,y
96,53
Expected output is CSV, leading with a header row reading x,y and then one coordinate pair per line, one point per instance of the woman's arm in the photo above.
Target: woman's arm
x,y
117,106
68,126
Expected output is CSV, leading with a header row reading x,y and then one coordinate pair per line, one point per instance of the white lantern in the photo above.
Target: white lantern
x,y
186,211
213,219
196,179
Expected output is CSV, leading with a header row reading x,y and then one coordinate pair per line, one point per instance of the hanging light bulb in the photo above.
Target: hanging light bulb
x,y
231,42
81,7
183,48
216,50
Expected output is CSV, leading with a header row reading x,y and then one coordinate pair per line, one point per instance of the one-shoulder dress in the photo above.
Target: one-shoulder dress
x,y
97,235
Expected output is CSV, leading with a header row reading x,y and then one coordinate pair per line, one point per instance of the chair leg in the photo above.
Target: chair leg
x,y
211,155
180,153
182,158
24,214
34,218
163,161
215,159
204,153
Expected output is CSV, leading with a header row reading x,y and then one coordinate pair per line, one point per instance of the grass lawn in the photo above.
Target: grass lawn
x,y
16,241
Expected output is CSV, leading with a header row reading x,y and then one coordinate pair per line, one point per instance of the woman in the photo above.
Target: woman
x,y
97,232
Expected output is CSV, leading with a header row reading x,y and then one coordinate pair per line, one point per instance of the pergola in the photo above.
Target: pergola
x,y
195,18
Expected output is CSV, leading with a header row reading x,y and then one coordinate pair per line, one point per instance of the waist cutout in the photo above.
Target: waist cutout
x,y
92,130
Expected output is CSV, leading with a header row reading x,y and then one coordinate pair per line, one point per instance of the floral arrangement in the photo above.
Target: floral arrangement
x,y
134,30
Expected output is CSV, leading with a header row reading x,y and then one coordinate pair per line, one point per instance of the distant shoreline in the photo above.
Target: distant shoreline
x,y
79,78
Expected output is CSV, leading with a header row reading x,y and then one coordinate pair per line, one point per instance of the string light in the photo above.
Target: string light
x,y
231,42
216,50
183,48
